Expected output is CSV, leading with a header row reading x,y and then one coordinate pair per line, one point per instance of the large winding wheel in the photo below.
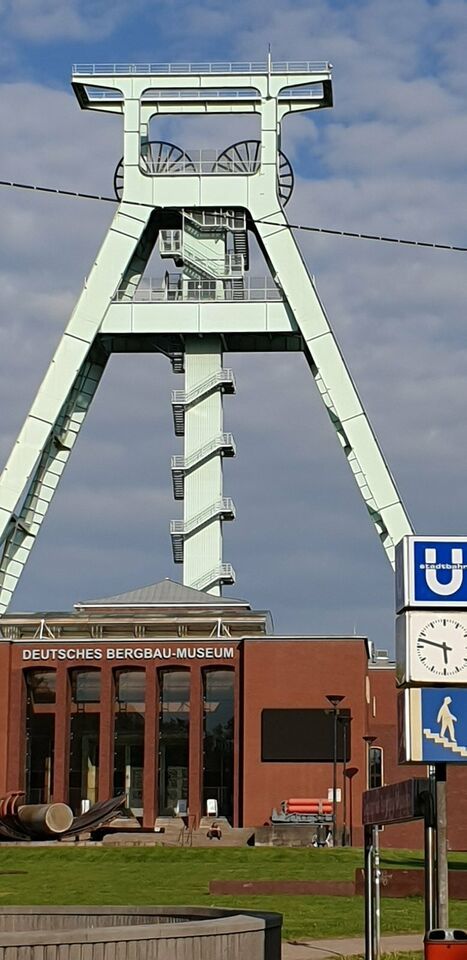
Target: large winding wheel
x,y
244,157
157,156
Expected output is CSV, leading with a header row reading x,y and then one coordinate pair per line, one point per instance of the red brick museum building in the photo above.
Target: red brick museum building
x,y
170,694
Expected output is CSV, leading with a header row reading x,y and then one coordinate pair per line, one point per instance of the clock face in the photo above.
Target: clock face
x,y
442,647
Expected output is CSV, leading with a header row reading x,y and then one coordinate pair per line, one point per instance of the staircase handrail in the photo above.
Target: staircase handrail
x,y
185,398
216,443
224,505
224,571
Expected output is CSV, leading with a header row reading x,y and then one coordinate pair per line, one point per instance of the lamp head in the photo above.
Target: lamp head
x,y
334,699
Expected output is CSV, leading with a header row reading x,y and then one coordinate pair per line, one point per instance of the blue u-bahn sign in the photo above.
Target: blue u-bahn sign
x,y
431,572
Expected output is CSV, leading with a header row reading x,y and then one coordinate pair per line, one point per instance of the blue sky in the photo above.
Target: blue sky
x,y
391,158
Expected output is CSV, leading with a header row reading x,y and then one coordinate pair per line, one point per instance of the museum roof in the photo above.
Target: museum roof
x,y
166,593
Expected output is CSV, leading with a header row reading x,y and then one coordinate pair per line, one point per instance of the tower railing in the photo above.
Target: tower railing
x,y
206,162
240,66
310,92
173,289
217,219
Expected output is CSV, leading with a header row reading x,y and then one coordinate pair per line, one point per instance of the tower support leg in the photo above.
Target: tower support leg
x,y
42,449
336,387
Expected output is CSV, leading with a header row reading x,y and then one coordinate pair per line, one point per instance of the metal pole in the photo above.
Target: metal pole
x,y
442,847
334,699
344,786
351,810
334,782
369,912
376,895
430,887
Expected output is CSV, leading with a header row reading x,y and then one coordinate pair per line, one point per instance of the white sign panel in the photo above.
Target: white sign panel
x,y
431,647
431,572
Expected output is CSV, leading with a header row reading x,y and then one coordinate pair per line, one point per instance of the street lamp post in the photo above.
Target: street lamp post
x,y
350,773
374,871
345,719
334,700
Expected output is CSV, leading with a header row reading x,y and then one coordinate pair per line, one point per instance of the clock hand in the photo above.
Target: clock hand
x,y
443,646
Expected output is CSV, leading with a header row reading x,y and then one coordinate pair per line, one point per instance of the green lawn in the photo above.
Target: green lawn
x,y
136,876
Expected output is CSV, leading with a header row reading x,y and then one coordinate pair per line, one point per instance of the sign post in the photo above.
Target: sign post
x,y
395,803
431,667
442,847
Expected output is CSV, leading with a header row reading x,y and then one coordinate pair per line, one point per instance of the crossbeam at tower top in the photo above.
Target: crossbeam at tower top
x,y
293,85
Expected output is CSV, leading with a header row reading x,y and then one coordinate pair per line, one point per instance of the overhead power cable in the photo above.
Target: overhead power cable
x,y
369,236
63,193
273,223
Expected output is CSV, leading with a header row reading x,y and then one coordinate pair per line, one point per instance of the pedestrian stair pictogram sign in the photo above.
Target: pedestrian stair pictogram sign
x,y
444,742
433,725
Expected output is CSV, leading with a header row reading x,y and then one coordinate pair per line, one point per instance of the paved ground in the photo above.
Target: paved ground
x,y
318,949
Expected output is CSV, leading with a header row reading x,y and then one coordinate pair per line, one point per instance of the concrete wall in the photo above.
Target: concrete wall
x,y
149,933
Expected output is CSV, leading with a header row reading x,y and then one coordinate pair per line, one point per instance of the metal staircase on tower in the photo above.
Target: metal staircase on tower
x,y
199,209
222,380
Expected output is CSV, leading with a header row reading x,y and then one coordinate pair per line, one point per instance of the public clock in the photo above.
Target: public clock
x,y
442,647
431,648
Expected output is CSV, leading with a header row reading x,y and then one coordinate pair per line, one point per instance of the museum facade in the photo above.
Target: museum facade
x,y
175,697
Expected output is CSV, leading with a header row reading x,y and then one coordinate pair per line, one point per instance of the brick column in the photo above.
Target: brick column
x,y
237,805
62,737
195,773
106,735
15,736
151,747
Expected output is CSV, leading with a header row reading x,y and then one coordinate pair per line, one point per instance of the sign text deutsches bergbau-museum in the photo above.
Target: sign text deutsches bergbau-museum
x,y
128,653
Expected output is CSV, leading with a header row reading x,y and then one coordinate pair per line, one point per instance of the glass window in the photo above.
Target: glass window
x,y
174,732
40,735
130,686
129,737
218,747
84,759
86,686
84,738
375,767
40,685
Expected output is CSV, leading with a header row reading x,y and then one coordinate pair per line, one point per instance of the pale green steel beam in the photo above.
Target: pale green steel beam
x,y
336,387
25,526
33,452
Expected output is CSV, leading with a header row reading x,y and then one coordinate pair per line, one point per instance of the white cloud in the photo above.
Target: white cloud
x,y
43,21
390,158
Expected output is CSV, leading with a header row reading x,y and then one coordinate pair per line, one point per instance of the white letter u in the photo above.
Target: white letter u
x,y
457,576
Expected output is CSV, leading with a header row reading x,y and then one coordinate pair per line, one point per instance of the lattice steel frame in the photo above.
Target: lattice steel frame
x,y
109,317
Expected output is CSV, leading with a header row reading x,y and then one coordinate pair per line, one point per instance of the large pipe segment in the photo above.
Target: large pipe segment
x,y
45,819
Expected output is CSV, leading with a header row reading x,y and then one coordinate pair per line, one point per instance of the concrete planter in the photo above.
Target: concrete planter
x,y
137,933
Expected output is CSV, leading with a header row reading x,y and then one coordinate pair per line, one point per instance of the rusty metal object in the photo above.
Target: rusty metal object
x,y
20,821
45,819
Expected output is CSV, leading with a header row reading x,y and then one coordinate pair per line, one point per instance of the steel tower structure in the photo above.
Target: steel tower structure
x,y
198,208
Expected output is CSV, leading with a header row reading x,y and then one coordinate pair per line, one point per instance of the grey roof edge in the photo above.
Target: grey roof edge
x,y
165,593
